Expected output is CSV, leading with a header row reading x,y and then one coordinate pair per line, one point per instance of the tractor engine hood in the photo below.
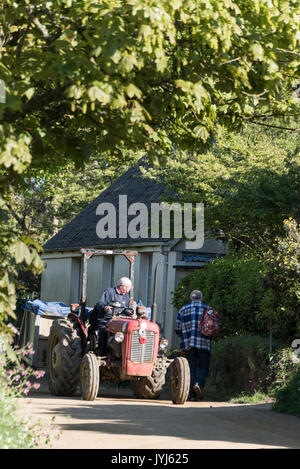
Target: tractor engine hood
x,y
140,345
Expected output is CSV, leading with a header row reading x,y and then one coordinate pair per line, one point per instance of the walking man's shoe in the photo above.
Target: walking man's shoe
x,y
198,392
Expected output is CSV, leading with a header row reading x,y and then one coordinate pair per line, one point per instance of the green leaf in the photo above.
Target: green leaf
x,y
74,92
200,92
201,132
132,90
6,347
127,63
257,52
21,252
96,93
29,93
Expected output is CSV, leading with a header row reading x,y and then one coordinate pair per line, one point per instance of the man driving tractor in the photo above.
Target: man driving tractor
x,y
118,294
131,347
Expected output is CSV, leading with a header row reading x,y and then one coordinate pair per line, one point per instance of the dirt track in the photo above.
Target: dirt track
x,y
120,421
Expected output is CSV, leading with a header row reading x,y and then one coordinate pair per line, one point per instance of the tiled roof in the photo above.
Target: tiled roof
x,y
81,231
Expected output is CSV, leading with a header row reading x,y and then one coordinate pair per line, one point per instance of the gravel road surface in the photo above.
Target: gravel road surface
x,y
116,420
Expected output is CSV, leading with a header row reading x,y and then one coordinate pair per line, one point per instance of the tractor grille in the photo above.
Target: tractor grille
x,y
142,353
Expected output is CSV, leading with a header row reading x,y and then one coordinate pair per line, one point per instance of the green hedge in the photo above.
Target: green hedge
x,y
235,287
288,397
243,364
232,285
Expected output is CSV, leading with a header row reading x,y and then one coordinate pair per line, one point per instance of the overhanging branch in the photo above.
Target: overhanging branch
x,y
274,126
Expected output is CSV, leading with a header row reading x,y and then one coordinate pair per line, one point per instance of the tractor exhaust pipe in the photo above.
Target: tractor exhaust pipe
x,y
154,305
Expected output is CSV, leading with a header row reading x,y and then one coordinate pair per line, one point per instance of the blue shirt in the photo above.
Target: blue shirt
x,y
108,296
187,327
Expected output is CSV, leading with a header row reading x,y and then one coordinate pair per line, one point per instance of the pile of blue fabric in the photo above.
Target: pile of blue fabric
x,y
51,307
42,307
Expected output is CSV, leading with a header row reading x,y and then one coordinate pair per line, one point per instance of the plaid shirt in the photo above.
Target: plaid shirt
x,y
187,327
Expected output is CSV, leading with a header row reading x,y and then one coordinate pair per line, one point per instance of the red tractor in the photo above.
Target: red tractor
x,y
135,351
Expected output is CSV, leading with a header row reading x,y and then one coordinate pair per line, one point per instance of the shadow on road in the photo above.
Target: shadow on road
x,y
212,422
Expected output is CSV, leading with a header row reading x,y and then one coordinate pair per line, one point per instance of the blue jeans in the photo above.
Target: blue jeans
x,y
199,361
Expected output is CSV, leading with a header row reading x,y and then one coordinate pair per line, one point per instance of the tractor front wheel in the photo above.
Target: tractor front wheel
x,y
179,380
89,377
150,387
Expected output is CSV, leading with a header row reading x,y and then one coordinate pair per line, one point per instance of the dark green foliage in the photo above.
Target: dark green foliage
x,y
232,286
239,363
235,287
288,397
244,364
248,182
281,281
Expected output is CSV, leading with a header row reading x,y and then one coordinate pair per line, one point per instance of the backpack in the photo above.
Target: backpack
x,y
209,324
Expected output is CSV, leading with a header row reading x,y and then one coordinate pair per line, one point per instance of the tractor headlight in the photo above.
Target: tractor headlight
x,y
119,337
163,344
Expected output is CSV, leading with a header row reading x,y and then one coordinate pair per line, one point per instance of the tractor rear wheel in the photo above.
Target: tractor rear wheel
x,y
63,358
150,387
89,377
179,380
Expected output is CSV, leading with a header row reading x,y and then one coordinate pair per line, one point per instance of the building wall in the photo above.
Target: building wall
x,y
56,280
170,311
75,286
61,280
143,278
95,279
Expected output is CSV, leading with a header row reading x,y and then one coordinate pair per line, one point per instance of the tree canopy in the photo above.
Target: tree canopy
x,y
135,73
90,75
248,182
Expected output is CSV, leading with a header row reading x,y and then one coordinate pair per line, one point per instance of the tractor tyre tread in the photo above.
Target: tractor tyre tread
x,y
89,377
65,380
150,387
179,380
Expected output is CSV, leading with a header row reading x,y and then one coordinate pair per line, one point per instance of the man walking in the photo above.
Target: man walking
x,y
196,346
